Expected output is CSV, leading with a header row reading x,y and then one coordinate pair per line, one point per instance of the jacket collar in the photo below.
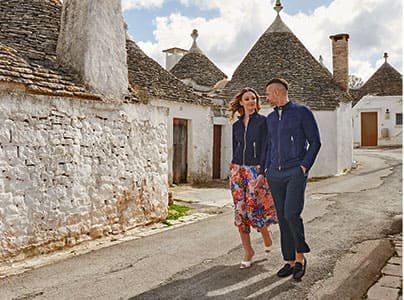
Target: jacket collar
x,y
253,115
287,106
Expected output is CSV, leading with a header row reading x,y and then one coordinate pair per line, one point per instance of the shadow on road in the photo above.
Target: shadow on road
x,y
222,282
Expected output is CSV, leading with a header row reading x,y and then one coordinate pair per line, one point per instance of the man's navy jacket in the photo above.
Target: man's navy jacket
x,y
293,137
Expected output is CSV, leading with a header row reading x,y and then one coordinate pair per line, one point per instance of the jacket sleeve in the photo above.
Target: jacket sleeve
x,y
263,150
312,134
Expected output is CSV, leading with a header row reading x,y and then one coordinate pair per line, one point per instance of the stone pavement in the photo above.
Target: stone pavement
x,y
389,285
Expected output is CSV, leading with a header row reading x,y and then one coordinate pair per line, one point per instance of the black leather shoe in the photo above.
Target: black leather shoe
x,y
299,269
286,270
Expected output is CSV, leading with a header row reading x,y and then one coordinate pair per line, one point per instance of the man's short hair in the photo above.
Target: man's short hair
x,y
281,81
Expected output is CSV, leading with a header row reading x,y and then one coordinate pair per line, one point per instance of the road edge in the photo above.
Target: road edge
x,y
356,271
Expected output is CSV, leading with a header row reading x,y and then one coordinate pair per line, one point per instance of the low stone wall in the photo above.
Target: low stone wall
x,y
72,170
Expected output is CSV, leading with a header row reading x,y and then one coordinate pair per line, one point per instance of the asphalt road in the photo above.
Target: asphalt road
x,y
343,215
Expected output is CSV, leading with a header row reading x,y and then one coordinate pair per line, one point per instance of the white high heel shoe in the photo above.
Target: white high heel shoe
x,y
245,264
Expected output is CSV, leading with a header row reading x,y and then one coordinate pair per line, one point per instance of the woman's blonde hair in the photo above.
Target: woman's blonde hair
x,y
234,104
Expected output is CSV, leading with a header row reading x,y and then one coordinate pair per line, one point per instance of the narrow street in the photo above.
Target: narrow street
x,y
347,218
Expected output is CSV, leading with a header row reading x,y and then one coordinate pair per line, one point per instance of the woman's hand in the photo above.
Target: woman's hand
x,y
260,181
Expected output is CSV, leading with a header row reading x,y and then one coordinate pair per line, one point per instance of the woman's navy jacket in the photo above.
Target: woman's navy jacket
x,y
249,144
293,137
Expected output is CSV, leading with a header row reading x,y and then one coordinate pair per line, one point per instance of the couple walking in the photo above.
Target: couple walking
x,y
268,173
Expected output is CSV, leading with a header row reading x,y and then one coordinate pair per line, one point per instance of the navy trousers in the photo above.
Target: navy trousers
x,y
288,187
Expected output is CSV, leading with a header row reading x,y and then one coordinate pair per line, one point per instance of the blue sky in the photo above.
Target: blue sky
x,y
229,28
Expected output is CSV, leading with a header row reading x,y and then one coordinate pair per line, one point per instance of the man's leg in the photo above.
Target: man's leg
x,y
294,204
278,190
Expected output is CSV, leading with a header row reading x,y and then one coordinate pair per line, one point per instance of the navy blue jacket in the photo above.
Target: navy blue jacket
x,y
293,137
249,144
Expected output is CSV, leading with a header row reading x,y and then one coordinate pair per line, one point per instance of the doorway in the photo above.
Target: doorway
x,y
180,157
217,146
369,128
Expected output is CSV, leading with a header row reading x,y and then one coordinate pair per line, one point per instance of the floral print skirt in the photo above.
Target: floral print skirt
x,y
252,206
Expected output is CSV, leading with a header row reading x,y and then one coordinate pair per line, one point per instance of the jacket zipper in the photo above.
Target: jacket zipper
x,y
279,139
255,151
245,142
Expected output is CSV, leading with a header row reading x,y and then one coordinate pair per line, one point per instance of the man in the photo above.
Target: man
x,y
293,144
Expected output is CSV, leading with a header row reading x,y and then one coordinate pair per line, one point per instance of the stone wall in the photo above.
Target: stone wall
x,y
71,170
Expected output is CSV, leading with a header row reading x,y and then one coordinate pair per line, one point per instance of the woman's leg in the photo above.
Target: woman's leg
x,y
266,236
246,242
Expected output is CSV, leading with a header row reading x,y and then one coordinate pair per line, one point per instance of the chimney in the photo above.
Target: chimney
x,y
173,55
92,42
340,59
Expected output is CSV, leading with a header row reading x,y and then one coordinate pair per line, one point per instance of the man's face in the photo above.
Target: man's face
x,y
272,95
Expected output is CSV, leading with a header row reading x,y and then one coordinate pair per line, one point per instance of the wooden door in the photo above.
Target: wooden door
x,y
180,141
217,145
369,128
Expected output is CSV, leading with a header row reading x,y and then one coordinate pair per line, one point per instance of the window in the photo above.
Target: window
x,y
399,119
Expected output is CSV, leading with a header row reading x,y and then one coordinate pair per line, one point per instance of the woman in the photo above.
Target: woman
x,y
251,195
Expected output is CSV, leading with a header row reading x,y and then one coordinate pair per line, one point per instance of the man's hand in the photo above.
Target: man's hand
x,y
303,169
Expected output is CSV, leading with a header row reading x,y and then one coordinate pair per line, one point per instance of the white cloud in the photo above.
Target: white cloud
x,y
374,27
135,4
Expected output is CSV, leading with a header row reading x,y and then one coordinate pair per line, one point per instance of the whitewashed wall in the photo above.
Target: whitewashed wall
x,y
200,138
71,170
326,163
345,137
379,104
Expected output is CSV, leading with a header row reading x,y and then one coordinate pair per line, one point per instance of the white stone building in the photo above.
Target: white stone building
x,y
378,121
207,150
377,109
191,118
82,152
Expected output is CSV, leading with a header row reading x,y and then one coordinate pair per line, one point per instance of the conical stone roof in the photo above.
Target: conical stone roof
x,y
149,80
197,66
279,53
386,81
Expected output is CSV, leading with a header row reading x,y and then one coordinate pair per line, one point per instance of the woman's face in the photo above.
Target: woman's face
x,y
249,102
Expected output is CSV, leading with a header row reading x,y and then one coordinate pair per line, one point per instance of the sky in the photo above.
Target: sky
x,y
228,29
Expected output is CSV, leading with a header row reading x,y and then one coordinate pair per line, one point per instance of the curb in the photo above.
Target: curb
x,y
355,272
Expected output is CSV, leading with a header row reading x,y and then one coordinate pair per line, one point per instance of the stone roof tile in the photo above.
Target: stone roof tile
x,y
15,69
